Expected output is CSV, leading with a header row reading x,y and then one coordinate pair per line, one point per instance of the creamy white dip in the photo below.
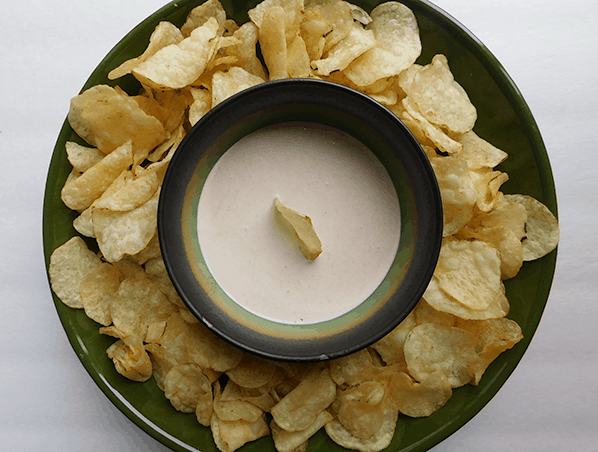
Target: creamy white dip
x,y
321,172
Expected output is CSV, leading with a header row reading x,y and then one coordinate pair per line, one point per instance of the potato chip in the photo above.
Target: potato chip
x,y
185,385
298,230
107,118
226,84
69,265
440,99
298,61
120,233
338,14
424,313
441,301
137,303
431,348
128,267
130,359
252,371
361,410
390,347
163,35
541,228
201,14
132,195
487,184
96,289
352,369
420,399
397,45
245,51
359,14
228,405
509,247
273,42
425,130
300,408
293,441
358,41
456,190
156,272
80,193
230,435
178,65
314,29
379,441
493,337
82,157
479,153
209,351
469,272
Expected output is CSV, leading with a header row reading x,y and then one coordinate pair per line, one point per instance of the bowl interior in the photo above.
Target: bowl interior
x,y
504,119
323,103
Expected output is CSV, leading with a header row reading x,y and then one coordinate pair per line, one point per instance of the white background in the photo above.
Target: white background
x,y
48,49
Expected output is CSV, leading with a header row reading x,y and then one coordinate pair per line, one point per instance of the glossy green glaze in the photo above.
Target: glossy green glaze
x,y
504,120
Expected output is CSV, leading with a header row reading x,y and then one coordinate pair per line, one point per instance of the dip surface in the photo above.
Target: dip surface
x,y
321,172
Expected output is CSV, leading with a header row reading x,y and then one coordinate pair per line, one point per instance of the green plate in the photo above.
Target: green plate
x,y
504,119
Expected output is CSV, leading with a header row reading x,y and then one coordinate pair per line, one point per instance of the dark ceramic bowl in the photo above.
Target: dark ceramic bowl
x,y
323,103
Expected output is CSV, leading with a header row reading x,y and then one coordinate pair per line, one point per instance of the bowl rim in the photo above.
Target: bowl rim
x,y
420,204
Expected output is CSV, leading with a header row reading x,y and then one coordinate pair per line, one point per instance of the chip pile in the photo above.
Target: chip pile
x,y
454,333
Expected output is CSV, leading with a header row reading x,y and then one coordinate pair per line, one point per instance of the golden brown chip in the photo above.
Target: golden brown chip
x,y
420,399
541,228
273,42
397,45
338,14
230,435
69,265
352,369
493,336
479,153
379,441
441,301
120,233
228,405
178,65
163,35
130,358
390,347
137,303
424,313
82,157
107,118
361,409
469,272
245,51
96,288
431,348
236,79
300,408
185,385
440,99
80,193
132,195
209,351
292,441
201,14
252,372
358,41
